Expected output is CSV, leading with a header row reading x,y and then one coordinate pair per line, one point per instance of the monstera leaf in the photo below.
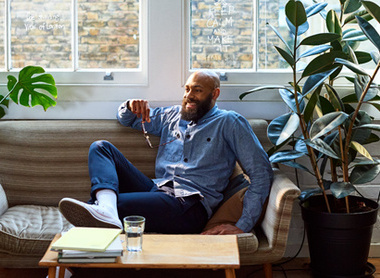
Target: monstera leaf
x,y
33,87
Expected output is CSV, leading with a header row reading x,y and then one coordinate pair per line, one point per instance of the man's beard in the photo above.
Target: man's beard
x,y
196,114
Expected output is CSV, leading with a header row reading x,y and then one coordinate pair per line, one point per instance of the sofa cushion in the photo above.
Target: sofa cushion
x,y
28,229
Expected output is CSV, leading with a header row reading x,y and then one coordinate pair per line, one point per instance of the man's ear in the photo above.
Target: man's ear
x,y
216,93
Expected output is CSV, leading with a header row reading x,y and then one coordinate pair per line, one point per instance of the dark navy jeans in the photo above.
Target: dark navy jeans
x,y
138,195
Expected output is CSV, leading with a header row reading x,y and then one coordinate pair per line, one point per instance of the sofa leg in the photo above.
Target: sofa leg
x,y
268,273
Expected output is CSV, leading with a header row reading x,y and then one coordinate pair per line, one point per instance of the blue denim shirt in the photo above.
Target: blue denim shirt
x,y
200,157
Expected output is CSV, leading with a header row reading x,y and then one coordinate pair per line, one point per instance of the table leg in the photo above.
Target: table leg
x,y
61,272
51,272
230,273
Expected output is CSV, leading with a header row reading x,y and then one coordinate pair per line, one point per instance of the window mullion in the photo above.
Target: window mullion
x,y
74,42
7,35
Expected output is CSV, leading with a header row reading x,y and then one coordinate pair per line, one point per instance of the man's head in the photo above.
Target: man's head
x,y
201,92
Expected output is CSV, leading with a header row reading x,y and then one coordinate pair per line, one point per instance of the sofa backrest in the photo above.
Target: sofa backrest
x,y
42,161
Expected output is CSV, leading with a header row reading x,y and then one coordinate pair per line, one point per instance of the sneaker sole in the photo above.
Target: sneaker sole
x,y
79,216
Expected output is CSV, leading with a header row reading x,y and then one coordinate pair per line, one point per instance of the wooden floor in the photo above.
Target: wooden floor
x,y
295,269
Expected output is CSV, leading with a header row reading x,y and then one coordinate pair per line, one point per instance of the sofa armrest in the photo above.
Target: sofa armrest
x,y
278,214
3,201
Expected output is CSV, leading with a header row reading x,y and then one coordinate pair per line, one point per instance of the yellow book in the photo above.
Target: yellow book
x,y
86,239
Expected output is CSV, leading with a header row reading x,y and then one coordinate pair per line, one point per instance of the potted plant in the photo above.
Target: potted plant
x,y
331,129
28,90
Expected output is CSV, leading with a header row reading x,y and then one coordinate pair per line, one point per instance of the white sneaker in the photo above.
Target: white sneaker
x,y
81,214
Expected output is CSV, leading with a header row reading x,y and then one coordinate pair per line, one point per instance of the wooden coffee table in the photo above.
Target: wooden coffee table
x,y
167,251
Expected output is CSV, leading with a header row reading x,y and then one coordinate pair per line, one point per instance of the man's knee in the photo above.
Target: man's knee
x,y
100,146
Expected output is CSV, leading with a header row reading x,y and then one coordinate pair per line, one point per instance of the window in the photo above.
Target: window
x,y
97,40
232,36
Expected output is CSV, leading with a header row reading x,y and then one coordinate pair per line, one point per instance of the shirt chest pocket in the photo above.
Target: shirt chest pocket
x,y
173,151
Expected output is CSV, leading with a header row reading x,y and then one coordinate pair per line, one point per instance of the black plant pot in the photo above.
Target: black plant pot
x,y
339,242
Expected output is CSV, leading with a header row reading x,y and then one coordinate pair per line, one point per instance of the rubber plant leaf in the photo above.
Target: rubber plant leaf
x,y
294,164
288,57
283,156
375,127
375,57
360,149
354,35
319,39
372,9
351,6
352,66
334,98
282,128
341,189
27,91
314,81
289,99
327,123
279,36
306,194
297,31
322,63
322,147
261,88
364,173
314,9
295,13
369,31
311,104
333,23
315,50
363,57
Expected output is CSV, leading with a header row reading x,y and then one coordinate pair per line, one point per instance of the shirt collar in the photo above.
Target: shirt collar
x,y
209,114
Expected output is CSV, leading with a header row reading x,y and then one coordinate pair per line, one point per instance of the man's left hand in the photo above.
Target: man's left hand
x,y
224,229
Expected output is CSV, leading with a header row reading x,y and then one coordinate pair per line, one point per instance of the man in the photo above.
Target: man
x,y
199,147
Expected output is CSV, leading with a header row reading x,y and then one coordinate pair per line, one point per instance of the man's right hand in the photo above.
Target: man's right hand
x,y
141,108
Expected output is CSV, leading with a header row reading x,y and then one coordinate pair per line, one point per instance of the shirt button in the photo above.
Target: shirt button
x,y
188,136
208,139
178,136
186,160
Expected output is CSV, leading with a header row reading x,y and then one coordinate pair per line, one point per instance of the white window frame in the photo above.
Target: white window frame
x,y
86,77
244,78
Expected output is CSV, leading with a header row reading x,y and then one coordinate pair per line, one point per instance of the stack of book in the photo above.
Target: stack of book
x,y
89,245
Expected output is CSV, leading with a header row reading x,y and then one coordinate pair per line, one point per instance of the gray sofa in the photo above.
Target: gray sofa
x,y
42,161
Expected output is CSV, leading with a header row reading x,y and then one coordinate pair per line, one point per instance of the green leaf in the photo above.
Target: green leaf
x,y
360,149
333,23
309,110
369,31
295,12
283,156
306,194
27,91
341,189
314,9
354,35
351,19
323,63
288,57
351,6
282,128
373,9
289,99
261,88
319,39
4,104
314,81
375,127
280,37
354,67
294,164
335,100
363,57
327,123
319,145
364,173
315,50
